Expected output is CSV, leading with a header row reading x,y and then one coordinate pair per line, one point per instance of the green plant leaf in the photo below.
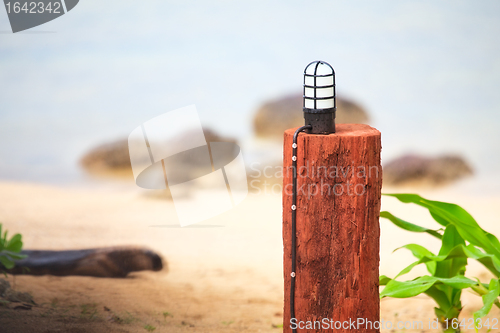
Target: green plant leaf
x,y
405,289
451,238
462,239
15,244
439,297
13,255
489,261
6,262
9,249
407,225
408,268
419,252
3,240
383,280
451,265
446,213
460,251
488,299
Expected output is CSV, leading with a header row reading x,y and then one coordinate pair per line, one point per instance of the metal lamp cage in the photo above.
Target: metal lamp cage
x,y
319,95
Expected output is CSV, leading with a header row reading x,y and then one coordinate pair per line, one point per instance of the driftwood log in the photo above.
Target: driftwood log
x,y
115,262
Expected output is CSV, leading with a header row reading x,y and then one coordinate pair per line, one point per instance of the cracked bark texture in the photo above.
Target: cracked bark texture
x,y
339,179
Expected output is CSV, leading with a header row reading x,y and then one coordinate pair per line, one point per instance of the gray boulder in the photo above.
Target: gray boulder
x,y
427,171
108,156
114,156
8,295
4,286
274,117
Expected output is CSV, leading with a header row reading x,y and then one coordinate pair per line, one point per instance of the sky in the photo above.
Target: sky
x,y
427,72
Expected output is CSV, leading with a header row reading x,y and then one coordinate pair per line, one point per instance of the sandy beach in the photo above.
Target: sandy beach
x,y
224,275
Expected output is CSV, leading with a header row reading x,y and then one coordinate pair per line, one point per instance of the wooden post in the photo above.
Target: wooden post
x,y
339,181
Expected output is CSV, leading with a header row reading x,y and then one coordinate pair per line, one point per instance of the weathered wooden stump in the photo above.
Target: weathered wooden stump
x,y
339,181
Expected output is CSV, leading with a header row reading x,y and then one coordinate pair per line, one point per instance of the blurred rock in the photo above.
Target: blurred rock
x,y
8,295
4,286
420,170
274,117
16,296
114,156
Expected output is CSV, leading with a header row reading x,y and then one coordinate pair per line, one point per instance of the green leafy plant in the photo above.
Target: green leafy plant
x,y
9,249
461,239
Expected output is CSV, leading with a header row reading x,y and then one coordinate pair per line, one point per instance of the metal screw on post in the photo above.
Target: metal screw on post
x,y
319,98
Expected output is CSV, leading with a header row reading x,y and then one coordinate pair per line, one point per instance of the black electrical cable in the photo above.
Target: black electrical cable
x,y
294,221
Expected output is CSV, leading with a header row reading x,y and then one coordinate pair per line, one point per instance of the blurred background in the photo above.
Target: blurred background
x,y
427,73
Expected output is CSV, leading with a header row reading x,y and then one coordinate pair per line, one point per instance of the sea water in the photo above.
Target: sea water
x,y
427,72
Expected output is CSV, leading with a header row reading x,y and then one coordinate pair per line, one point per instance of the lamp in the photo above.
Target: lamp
x,y
319,114
319,98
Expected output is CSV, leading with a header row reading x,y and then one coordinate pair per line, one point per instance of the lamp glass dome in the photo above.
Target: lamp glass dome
x,y
319,86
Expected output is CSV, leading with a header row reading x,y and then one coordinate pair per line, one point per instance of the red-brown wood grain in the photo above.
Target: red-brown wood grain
x,y
337,226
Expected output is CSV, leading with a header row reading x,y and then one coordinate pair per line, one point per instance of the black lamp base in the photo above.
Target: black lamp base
x,y
322,123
